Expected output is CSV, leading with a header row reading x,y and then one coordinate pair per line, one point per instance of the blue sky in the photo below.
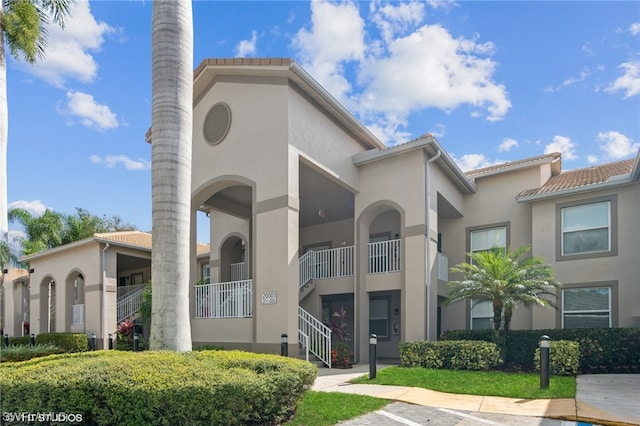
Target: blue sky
x,y
493,81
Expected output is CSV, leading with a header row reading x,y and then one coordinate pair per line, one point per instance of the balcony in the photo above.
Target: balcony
x,y
442,262
224,300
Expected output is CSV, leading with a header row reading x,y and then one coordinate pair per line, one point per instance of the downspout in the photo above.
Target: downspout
x,y
104,293
427,219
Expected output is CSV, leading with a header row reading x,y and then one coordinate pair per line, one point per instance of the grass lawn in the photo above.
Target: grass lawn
x,y
490,383
329,408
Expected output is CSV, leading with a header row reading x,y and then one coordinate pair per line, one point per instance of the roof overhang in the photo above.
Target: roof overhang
x,y
431,146
211,70
615,181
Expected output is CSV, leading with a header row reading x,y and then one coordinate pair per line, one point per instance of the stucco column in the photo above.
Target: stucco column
x,y
413,308
275,254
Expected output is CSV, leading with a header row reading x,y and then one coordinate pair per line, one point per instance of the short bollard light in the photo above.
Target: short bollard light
x,y
6,340
135,342
284,345
373,343
33,339
545,344
110,341
93,341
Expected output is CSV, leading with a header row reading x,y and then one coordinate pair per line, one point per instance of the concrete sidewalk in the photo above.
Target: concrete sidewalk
x,y
609,399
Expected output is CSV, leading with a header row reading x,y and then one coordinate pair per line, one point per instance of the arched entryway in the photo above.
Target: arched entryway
x,y
48,305
75,302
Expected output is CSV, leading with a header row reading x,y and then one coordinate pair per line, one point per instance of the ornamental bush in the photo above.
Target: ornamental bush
x,y
159,388
454,354
602,350
564,358
68,342
15,353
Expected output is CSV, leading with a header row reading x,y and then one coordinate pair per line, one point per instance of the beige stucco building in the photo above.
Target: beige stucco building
x,y
310,214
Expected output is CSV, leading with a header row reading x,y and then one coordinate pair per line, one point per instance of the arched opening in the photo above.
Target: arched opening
x,y
75,306
48,305
233,265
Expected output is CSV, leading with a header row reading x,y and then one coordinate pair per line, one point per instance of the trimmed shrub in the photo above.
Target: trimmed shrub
x,y
15,353
564,358
454,354
68,342
159,388
208,348
602,350
19,340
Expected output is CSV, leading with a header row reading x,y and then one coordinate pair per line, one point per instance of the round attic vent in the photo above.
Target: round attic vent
x,y
217,123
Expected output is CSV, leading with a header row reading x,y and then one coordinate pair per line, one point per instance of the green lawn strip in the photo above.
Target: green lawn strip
x,y
489,383
329,408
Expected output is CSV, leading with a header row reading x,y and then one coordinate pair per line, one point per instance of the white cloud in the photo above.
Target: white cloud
x,y
564,146
68,50
616,145
35,207
634,28
629,82
247,48
474,161
584,74
112,161
507,144
336,35
407,68
90,113
592,159
391,19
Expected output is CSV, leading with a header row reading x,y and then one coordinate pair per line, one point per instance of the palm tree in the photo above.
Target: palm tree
x,y
171,129
504,278
42,232
23,27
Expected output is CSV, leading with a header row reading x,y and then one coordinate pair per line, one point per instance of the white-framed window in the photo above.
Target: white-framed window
x,y
206,273
379,317
586,307
586,228
482,240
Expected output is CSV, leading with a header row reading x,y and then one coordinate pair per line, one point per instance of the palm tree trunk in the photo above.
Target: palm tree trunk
x,y
171,130
4,135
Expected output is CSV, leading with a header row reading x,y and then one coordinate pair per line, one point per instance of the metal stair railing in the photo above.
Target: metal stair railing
x,y
314,336
129,304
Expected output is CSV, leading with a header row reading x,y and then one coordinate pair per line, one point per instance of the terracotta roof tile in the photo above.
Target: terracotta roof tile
x,y
15,274
505,166
582,177
140,239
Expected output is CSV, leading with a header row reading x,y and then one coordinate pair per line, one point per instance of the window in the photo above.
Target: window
x,y
481,240
206,274
485,239
379,317
585,228
481,315
586,307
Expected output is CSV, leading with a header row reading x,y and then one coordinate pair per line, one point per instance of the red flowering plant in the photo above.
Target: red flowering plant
x,y
340,351
125,332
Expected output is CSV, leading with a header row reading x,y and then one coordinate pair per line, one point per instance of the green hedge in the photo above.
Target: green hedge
x,y
68,342
159,388
15,353
456,355
19,341
602,350
564,358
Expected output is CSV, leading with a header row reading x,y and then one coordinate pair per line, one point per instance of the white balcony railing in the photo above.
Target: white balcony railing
x,y
224,300
323,264
238,271
443,267
384,256
78,314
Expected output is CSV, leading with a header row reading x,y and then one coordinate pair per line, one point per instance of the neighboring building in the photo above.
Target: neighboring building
x,y
311,214
88,286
